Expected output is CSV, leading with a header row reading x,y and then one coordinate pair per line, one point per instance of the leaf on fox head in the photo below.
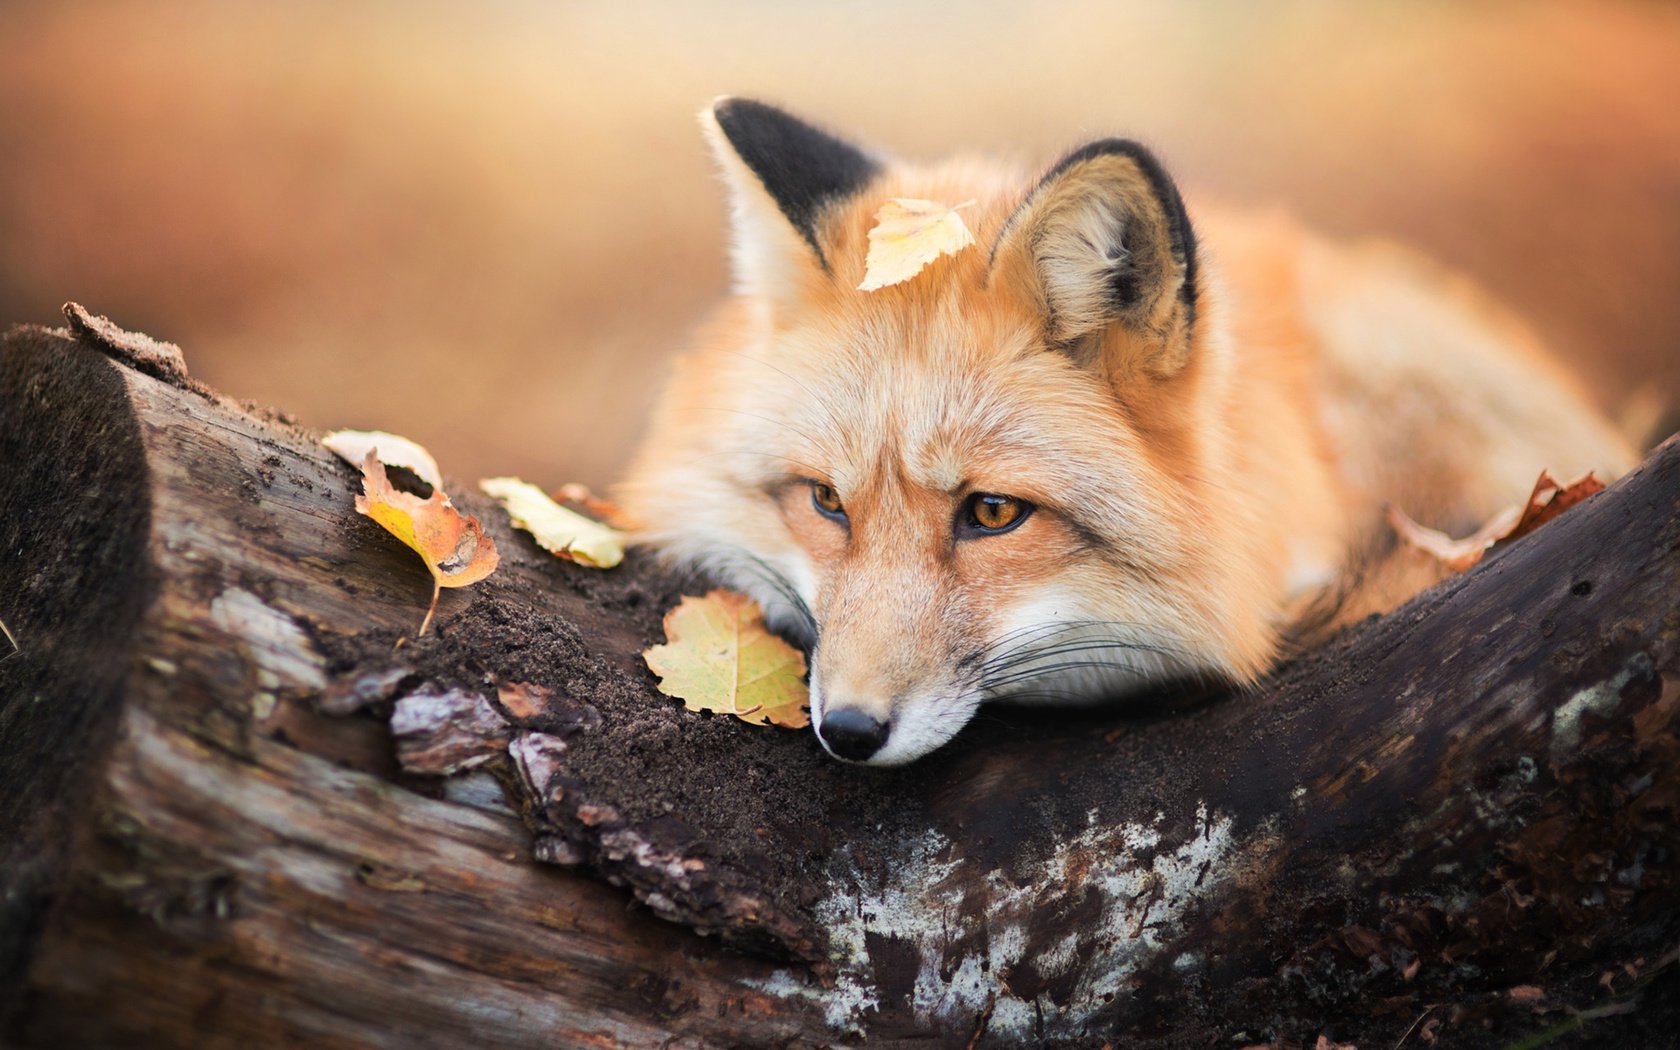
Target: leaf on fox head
x,y
1547,501
453,545
908,234
720,657
556,529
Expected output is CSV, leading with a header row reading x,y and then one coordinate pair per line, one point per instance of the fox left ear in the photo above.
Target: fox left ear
x,y
782,174
1104,246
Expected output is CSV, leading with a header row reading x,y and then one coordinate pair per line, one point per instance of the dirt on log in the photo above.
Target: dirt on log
x,y
241,804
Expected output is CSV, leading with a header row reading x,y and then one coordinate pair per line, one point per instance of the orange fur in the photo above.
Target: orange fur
x,y
1200,472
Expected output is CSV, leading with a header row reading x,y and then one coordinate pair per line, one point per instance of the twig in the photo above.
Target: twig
x,y
1408,1034
16,648
437,589
982,1022
1626,1003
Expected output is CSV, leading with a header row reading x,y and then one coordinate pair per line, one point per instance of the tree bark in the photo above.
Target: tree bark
x,y
241,805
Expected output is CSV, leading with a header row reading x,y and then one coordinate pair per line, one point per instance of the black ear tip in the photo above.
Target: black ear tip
x,y
725,107
748,119
1132,150
801,166
1165,190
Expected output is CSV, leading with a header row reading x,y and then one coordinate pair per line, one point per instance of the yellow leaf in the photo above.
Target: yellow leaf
x,y
908,234
720,657
454,546
555,528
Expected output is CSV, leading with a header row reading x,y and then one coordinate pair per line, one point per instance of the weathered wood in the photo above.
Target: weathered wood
x,y
1478,792
245,872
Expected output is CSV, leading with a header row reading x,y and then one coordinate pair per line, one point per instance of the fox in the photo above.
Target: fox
x,y
1117,443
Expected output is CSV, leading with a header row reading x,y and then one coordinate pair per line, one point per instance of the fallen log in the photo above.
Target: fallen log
x,y
242,804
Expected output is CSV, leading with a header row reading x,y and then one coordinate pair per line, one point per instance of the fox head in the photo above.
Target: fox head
x,y
1002,478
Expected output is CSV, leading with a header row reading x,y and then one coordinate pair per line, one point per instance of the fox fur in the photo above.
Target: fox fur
x,y
1201,412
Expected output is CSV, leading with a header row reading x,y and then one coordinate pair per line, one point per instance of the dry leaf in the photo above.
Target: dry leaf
x,y
1456,555
555,528
456,550
393,450
598,506
1547,501
908,234
720,657
525,700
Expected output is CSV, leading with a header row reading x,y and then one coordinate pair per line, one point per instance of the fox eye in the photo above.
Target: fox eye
x,y
988,514
827,501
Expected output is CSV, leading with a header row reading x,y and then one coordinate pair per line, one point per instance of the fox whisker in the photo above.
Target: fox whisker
x,y
1035,644
1042,654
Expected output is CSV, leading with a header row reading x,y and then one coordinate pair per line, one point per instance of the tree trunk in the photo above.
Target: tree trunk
x,y
241,804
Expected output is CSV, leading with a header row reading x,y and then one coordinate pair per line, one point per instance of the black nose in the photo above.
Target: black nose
x,y
851,734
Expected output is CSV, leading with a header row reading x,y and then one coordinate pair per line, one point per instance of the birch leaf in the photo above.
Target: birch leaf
x,y
908,234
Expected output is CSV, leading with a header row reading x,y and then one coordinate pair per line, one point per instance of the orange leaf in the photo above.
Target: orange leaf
x,y
454,546
720,657
593,505
1548,500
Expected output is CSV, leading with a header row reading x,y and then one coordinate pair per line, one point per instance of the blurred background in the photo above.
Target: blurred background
x,y
487,226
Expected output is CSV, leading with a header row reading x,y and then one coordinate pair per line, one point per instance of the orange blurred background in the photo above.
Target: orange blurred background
x,y
488,226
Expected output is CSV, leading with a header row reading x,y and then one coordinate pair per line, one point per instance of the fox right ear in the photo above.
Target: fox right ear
x,y
1104,247
782,174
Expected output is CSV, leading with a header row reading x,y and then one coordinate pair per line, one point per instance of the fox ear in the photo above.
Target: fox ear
x,y
782,173
1104,246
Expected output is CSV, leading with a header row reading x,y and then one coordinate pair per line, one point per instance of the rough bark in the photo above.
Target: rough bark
x,y
226,819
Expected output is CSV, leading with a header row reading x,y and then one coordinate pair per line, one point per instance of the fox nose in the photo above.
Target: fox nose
x,y
850,734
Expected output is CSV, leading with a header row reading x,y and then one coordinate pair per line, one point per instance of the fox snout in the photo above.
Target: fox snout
x,y
874,734
884,690
877,673
852,733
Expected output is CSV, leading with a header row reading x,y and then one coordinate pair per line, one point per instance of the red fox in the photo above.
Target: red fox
x,y
1104,447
